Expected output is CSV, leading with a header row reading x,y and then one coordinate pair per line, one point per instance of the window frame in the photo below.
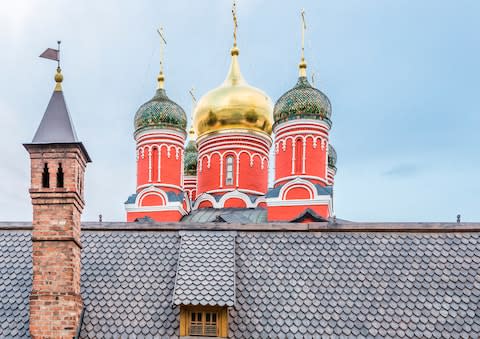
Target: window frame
x,y
229,169
221,314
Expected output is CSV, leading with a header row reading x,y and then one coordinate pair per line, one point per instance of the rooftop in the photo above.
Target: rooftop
x,y
291,280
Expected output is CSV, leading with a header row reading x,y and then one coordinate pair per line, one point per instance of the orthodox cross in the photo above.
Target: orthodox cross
x,y
304,27
163,43
235,24
192,94
194,103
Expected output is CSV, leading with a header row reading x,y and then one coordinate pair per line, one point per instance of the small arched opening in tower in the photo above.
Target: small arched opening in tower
x,y
45,177
60,176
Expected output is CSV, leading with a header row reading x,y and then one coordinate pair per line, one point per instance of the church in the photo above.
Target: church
x,y
225,163
210,249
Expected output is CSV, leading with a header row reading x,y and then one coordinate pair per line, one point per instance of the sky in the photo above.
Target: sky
x,y
403,77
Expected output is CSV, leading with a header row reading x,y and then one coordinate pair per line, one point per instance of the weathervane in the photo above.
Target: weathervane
x,y
54,54
163,43
235,24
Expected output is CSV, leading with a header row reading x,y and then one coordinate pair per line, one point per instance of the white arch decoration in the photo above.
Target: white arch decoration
x,y
151,190
205,197
238,195
232,194
298,183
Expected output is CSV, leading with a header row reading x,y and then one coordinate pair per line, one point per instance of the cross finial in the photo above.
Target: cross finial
x,y
163,43
192,94
191,132
303,65
304,27
235,23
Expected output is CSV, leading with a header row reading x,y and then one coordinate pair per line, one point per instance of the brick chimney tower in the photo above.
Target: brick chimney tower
x,y
58,162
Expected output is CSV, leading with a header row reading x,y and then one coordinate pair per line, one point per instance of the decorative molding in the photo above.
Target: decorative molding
x,y
229,195
159,185
292,177
299,122
151,189
240,190
174,134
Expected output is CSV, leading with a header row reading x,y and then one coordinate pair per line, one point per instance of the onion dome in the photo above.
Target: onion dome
x,y
160,112
332,157
303,101
190,157
233,105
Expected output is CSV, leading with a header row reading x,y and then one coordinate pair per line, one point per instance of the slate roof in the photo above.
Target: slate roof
x,y
289,284
127,284
56,125
15,283
229,215
206,269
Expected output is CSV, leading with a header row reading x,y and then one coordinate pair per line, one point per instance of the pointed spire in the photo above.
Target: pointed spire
x,y
56,125
234,76
302,66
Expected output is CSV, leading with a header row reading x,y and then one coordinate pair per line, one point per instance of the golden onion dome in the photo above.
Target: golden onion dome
x,y
234,105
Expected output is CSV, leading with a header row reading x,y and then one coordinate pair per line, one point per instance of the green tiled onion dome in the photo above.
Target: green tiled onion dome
x,y
332,157
190,161
160,112
302,102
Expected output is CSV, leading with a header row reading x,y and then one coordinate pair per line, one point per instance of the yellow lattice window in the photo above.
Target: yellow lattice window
x,y
203,321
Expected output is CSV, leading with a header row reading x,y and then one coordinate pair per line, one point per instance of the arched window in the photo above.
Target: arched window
x,y
229,171
298,156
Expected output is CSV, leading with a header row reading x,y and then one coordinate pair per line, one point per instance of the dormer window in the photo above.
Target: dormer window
x,y
203,321
229,171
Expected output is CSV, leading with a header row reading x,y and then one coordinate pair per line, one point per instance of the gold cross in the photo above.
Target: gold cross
x,y
163,43
304,27
235,24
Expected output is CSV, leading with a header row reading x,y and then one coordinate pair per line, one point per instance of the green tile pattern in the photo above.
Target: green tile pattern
x,y
190,161
160,112
302,102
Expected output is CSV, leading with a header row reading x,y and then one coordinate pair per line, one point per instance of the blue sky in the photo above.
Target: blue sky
x,y
403,78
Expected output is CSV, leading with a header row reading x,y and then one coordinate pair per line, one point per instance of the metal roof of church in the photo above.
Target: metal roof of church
x,y
303,280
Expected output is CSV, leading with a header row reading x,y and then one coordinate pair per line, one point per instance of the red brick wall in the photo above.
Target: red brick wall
x,y
55,300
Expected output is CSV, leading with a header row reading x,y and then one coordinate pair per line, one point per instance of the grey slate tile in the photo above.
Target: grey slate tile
x,y
206,269
288,284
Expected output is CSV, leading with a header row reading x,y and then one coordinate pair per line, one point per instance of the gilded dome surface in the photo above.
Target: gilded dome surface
x,y
303,101
233,105
332,156
190,160
160,112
